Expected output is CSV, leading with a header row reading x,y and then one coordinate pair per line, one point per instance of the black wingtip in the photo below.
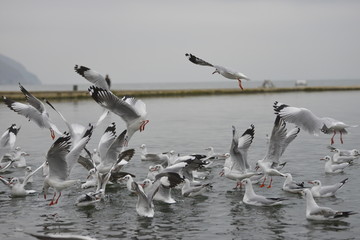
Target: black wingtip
x,y
278,108
81,70
250,131
111,128
344,181
13,129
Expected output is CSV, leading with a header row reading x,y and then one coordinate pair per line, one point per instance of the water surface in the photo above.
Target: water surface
x,y
189,125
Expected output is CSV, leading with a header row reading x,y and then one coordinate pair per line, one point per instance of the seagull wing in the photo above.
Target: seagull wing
x,y
115,149
239,148
74,154
56,157
301,117
94,77
33,101
127,108
197,60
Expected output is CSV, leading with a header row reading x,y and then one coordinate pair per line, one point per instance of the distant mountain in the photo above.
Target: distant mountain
x,y
12,72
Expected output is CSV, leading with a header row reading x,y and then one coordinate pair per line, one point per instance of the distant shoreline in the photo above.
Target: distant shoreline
x,y
17,95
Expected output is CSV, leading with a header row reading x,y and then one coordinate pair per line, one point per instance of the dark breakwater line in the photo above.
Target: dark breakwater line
x,y
63,95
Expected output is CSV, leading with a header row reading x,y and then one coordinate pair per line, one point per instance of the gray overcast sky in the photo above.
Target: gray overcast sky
x,y
145,41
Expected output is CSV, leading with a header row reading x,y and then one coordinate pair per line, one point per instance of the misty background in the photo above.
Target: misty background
x,y
146,41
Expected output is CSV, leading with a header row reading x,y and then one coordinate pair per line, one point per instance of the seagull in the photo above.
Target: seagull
x,y
219,69
338,158
154,157
34,111
331,167
94,77
279,140
17,187
291,186
251,198
19,158
315,212
88,199
211,154
168,180
345,152
129,180
8,139
110,146
77,130
145,205
189,190
131,110
311,123
236,167
62,158
325,191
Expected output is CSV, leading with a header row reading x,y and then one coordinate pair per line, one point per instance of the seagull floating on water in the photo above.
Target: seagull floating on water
x,y
331,167
219,69
291,186
315,212
251,198
318,190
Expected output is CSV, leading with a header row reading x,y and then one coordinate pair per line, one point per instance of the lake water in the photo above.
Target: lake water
x,y
189,125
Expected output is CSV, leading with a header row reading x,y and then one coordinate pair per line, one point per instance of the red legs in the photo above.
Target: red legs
x,y
56,201
341,140
270,183
240,85
332,138
263,183
52,200
58,198
52,133
143,124
221,173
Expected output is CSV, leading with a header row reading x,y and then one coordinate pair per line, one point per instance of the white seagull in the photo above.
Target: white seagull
x,y
34,111
61,159
17,187
315,212
154,157
279,140
291,186
8,139
110,146
331,167
251,198
192,190
131,110
145,205
311,123
318,190
219,69
94,77
236,167
77,130
339,158
345,152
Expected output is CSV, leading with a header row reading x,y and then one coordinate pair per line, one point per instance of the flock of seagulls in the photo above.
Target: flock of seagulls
x,y
170,172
